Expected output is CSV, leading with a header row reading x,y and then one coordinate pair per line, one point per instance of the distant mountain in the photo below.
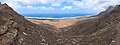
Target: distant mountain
x,y
16,30
106,11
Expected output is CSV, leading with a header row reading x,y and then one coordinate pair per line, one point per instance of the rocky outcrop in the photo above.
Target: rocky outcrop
x,y
106,11
16,30
101,30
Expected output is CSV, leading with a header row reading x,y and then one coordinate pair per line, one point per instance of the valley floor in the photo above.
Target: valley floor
x,y
59,23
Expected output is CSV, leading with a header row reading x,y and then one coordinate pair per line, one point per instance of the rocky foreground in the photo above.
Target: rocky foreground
x,y
16,30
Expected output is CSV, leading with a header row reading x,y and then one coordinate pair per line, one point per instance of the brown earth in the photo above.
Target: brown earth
x,y
60,23
103,29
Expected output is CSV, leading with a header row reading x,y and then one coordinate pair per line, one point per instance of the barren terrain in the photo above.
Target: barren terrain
x,y
60,23
103,29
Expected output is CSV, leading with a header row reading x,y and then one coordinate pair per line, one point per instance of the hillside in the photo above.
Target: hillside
x,y
102,30
16,30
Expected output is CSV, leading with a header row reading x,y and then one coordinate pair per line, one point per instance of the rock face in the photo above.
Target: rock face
x,y
101,30
16,30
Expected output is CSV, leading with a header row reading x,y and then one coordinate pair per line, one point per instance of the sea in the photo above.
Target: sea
x,y
54,16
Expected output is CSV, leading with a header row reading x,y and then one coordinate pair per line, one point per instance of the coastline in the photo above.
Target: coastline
x,y
60,18
60,23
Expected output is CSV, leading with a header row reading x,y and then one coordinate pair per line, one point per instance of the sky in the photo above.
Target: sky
x,y
60,6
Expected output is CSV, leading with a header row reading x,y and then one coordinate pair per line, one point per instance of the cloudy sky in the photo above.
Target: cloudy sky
x,y
60,6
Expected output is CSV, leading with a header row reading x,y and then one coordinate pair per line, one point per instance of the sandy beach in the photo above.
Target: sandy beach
x,y
59,23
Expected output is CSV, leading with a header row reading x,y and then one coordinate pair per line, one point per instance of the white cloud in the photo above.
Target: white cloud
x,y
30,7
46,8
55,4
67,7
42,8
98,5
15,5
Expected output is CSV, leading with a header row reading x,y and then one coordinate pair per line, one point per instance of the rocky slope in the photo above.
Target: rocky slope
x,y
101,30
16,30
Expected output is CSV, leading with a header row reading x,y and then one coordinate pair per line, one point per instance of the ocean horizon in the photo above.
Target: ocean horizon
x,y
55,16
